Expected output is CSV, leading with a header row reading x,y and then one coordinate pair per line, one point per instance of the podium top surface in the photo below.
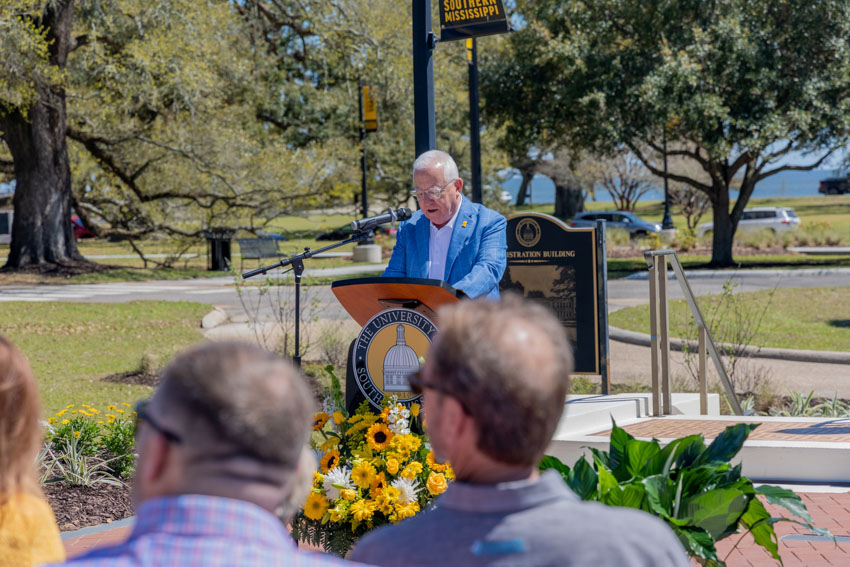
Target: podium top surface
x,y
365,297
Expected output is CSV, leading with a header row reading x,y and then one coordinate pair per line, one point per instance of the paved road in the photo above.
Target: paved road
x,y
221,291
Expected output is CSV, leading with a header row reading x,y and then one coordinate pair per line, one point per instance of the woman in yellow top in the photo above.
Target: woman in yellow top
x,y
28,531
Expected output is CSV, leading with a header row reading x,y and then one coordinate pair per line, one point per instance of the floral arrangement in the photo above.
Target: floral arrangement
x,y
374,469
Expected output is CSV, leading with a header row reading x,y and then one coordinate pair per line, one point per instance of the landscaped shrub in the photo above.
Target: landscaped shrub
x,y
693,488
119,440
85,445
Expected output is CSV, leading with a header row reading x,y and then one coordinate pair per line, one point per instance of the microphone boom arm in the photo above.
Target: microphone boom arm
x,y
297,263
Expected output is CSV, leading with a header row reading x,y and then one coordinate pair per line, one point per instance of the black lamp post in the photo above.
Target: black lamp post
x,y
667,221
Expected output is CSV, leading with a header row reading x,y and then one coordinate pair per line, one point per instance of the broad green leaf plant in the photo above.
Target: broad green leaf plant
x,y
693,488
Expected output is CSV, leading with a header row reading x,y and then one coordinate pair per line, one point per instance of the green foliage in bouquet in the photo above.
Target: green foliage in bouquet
x,y
374,470
693,488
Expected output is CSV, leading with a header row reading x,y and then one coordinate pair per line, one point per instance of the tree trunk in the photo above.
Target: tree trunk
x,y
522,194
568,201
41,232
723,231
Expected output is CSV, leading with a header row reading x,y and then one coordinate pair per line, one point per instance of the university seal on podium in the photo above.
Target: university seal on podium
x,y
387,351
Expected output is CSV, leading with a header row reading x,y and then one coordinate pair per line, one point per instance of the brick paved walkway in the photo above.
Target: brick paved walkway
x,y
831,511
79,545
834,431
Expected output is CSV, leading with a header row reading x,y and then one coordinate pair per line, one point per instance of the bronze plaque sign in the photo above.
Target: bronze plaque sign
x,y
558,266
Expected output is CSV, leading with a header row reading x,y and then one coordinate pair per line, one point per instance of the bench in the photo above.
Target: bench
x,y
258,248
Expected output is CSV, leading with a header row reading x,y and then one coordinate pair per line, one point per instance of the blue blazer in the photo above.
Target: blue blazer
x,y
476,258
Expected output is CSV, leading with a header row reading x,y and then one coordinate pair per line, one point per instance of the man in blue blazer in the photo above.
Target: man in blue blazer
x,y
450,238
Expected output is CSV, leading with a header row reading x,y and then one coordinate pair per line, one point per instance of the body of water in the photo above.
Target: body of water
x,y
785,184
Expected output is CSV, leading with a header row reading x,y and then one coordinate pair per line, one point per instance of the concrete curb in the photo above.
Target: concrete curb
x,y
214,318
817,356
726,274
125,523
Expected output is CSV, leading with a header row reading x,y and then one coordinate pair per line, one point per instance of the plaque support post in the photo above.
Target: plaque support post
x,y
602,307
653,333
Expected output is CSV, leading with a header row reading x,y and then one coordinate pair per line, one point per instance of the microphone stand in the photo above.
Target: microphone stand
x,y
297,263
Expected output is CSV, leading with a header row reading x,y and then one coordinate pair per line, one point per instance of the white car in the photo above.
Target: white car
x,y
776,219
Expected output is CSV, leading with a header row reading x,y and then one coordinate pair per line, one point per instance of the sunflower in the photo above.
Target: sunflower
x,y
329,460
319,420
362,474
379,437
315,506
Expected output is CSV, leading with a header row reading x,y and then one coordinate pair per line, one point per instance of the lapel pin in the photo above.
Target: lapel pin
x,y
464,224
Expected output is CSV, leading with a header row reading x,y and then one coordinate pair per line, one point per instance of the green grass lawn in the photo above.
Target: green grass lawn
x,y
797,318
72,346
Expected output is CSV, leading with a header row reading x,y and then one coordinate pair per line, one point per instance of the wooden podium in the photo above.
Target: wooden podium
x,y
398,321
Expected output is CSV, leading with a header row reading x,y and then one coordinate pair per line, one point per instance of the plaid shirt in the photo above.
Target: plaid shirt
x,y
205,531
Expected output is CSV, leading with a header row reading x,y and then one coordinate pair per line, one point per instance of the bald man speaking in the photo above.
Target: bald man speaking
x,y
450,238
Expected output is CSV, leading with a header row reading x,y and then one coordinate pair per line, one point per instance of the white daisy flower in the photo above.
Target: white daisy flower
x,y
407,489
336,480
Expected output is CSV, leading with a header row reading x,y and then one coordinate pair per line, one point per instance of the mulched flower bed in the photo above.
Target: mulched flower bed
x,y
78,507
133,377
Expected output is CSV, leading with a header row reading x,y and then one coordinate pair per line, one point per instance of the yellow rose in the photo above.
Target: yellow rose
x,y
348,494
392,466
436,483
414,410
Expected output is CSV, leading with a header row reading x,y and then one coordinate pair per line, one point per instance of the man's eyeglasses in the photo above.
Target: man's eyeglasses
x,y
433,193
143,415
418,385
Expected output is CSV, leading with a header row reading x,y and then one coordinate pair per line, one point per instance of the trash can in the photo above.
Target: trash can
x,y
218,246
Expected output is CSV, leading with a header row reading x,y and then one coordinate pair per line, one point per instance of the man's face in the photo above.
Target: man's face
x,y
154,439
439,211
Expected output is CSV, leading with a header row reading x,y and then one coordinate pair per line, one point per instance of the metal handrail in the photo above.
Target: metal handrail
x,y
658,310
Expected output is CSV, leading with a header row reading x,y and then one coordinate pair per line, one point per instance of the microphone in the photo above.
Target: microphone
x,y
390,216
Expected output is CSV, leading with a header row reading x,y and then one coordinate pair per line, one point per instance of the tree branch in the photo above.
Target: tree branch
x,y
809,167
707,189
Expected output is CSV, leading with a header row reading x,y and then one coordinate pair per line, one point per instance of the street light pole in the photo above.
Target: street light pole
x,y
667,221
423,78
364,203
474,124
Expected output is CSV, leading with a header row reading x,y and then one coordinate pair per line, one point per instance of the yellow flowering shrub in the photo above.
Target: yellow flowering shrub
x,y
374,470
94,432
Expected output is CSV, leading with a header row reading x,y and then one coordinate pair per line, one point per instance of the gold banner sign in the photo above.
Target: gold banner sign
x,y
370,109
460,19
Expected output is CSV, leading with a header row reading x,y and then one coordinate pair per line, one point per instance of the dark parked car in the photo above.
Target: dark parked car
x,y
273,236
636,226
834,186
